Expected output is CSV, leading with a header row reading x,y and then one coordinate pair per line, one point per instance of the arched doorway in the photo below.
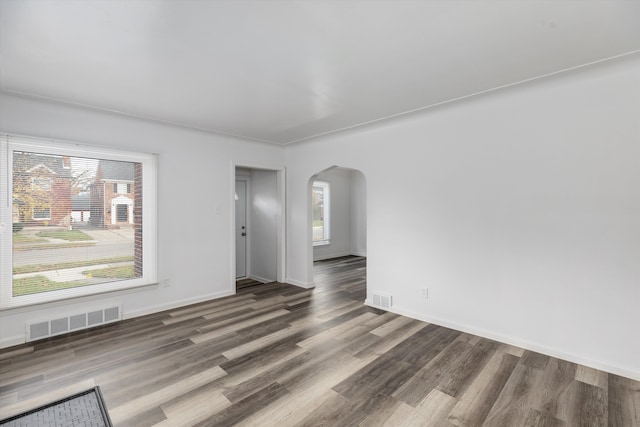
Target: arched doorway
x,y
337,203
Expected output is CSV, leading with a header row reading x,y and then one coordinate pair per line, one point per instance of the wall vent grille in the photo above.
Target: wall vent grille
x,y
382,300
72,323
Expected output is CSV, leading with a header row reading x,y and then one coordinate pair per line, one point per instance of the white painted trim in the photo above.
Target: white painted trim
x,y
299,283
515,342
121,200
38,166
232,227
260,279
13,341
333,255
281,238
21,339
247,221
149,214
356,253
176,304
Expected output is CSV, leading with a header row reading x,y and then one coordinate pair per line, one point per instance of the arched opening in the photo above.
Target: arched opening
x,y
337,229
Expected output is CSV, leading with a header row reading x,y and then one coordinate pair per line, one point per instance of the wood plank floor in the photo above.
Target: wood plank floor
x,y
280,355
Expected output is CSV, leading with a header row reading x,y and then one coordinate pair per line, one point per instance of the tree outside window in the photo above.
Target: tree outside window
x,y
51,256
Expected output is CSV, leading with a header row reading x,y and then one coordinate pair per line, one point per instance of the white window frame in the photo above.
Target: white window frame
x,y
11,143
326,213
35,218
122,188
36,184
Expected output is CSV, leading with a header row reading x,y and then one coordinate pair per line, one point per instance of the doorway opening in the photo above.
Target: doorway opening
x,y
337,222
258,228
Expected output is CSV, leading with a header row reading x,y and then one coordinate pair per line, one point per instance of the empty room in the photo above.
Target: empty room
x,y
320,213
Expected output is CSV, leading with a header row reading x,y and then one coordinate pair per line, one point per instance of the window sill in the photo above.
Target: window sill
x,y
63,297
322,243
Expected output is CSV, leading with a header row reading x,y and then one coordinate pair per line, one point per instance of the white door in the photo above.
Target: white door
x,y
241,229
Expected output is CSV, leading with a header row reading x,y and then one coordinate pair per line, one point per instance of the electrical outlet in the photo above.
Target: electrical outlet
x,y
425,293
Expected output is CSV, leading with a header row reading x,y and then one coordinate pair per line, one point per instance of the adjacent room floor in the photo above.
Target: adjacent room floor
x,y
277,354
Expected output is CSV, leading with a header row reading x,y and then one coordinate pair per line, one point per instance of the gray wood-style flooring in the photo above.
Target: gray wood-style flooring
x,y
278,355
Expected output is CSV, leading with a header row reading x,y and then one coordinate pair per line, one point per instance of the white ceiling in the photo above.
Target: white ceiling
x,y
284,71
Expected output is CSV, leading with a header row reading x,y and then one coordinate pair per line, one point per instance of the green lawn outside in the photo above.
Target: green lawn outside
x,y
37,284
70,235
34,268
19,238
117,272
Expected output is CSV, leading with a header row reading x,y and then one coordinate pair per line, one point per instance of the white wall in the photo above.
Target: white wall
x,y
263,225
518,209
358,214
339,214
195,203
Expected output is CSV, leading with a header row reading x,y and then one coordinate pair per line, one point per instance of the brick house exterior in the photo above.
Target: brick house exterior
x,y
41,189
116,201
113,195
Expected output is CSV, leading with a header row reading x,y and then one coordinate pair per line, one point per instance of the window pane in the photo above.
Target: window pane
x,y
41,213
79,222
320,211
39,183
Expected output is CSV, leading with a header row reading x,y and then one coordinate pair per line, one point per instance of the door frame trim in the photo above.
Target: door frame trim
x,y
281,242
247,218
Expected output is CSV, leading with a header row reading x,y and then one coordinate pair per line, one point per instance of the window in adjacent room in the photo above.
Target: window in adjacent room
x,y
320,212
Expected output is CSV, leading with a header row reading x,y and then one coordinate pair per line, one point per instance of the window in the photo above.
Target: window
x,y
40,184
38,261
40,213
121,188
320,212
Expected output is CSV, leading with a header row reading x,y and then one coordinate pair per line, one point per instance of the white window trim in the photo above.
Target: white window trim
x,y
35,186
327,213
10,143
33,216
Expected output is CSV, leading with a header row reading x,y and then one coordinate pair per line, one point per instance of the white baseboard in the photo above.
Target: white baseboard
x,y
261,279
595,364
21,339
176,304
300,284
338,255
11,341
332,255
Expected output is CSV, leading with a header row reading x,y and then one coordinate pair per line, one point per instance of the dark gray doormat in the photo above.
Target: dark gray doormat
x,y
84,409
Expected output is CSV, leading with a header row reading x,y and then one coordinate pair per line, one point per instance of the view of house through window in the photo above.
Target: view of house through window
x,y
320,212
77,222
